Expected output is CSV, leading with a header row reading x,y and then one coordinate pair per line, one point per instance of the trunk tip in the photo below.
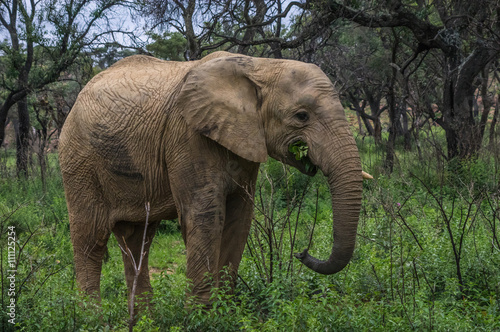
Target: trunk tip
x,y
301,255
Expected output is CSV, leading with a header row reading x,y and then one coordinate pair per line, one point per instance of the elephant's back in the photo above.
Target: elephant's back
x,y
131,93
135,82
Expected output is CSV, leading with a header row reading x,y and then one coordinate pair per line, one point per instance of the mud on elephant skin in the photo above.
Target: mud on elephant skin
x,y
188,137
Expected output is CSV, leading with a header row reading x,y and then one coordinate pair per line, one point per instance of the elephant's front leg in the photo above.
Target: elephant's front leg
x,y
239,213
202,226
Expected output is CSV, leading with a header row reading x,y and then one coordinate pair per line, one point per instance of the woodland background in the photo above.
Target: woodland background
x,y
420,83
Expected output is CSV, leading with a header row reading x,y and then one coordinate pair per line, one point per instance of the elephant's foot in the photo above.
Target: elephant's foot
x,y
197,299
206,293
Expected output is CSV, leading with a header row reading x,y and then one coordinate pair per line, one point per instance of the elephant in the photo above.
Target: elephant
x,y
188,138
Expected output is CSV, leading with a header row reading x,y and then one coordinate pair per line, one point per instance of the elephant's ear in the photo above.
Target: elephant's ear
x,y
219,101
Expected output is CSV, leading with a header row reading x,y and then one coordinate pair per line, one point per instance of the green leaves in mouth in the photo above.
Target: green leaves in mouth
x,y
299,149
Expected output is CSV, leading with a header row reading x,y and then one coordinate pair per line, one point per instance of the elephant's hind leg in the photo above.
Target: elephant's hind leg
x,y
89,248
130,237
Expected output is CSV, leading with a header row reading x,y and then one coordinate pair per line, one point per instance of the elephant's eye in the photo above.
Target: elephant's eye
x,y
302,116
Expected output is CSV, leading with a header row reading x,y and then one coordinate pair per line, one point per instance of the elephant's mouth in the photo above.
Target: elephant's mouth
x,y
308,167
298,151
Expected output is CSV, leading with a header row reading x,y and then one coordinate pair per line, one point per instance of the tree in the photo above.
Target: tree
x,y
168,46
467,34
181,15
109,53
356,60
252,27
45,38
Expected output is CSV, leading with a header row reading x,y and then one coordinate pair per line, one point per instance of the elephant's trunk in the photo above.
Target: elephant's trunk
x,y
342,166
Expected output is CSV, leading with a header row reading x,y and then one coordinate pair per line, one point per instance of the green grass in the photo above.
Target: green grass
x,y
403,275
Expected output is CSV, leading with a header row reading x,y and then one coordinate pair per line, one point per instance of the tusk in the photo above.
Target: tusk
x,y
366,176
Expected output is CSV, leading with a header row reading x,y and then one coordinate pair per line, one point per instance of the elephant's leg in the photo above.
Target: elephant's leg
x,y
130,237
239,212
202,231
89,248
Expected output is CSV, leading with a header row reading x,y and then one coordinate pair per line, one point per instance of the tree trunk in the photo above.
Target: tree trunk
x,y
276,47
260,12
42,143
462,133
494,123
22,138
4,112
377,131
487,99
393,111
193,52
391,142
374,102
406,130
360,125
361,114
462,130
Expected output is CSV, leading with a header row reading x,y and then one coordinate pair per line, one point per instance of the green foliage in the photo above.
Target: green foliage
x,y
299,150
168,46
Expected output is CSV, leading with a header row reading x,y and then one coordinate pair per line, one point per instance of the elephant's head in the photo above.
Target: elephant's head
x,y
259,107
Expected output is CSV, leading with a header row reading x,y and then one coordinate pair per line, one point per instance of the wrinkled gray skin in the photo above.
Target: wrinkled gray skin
x,y
188,138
